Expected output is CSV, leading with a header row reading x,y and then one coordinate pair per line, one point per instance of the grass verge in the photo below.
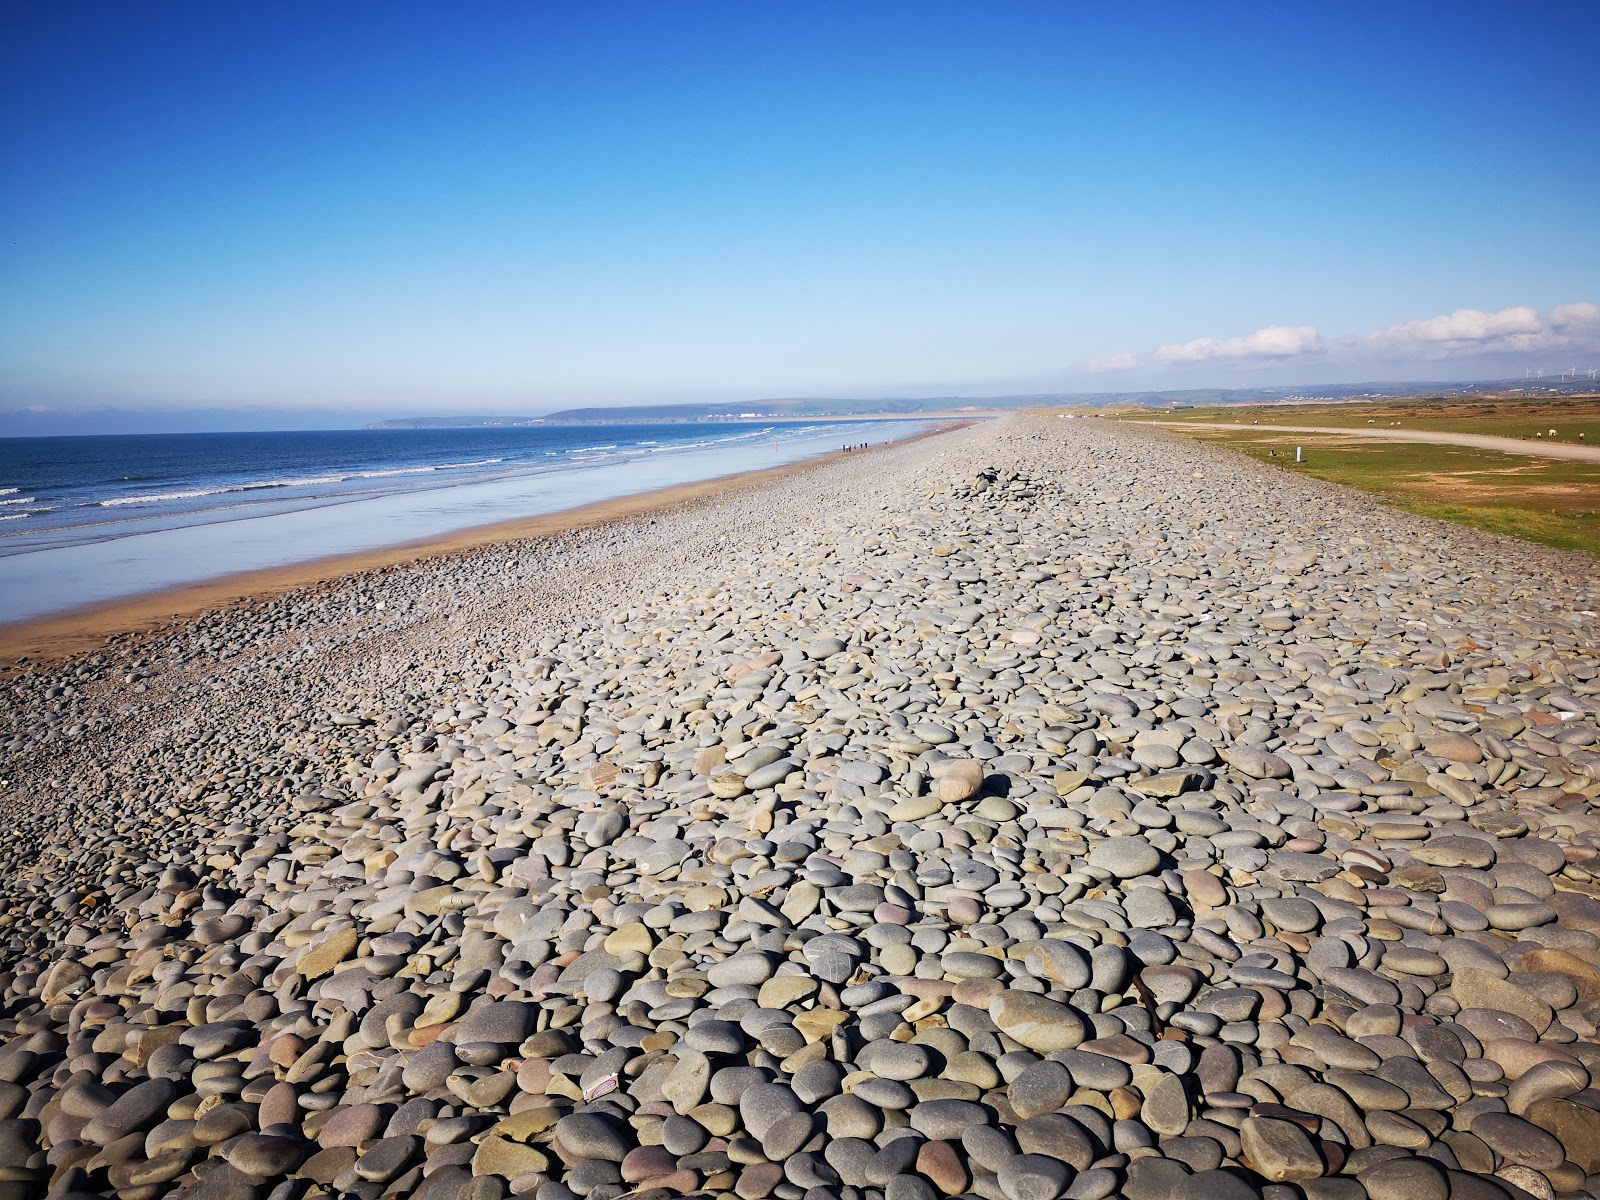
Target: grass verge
x,y
1552,502
1574,419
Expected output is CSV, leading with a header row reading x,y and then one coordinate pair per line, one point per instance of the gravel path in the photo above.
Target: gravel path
x,y
1432,437
1030,813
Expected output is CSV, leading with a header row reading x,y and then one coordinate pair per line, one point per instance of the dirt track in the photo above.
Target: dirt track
x,y
1481,441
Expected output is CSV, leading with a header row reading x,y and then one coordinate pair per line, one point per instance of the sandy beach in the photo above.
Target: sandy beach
x,y
85,627
1042,810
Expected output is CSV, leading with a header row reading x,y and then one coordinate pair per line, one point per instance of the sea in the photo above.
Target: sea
x,y
92,518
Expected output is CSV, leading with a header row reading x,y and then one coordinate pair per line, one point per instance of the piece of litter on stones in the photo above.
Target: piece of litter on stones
x,y
603,1086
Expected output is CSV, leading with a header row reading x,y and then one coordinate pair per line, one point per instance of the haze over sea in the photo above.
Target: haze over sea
x,y
89,519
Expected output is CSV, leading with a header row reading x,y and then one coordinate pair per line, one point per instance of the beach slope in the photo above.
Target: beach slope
x,y
1048,809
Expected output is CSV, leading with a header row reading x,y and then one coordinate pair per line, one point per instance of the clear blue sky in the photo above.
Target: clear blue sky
x,y
426,207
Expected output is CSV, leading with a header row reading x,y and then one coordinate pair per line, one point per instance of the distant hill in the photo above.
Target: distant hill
x,y
822,408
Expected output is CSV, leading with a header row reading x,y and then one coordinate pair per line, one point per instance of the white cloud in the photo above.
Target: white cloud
x,y
1275,341
1581,313
1125,361
1463,325
1466,333
1469,331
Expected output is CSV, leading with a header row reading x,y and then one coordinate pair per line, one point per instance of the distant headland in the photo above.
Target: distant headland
x,y
834,408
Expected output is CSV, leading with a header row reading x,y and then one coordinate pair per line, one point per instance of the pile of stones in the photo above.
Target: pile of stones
x,y
1129,820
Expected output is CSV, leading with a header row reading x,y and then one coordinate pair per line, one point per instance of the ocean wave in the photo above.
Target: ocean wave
x,y
14,516
481,462
19,499
158,497
294,481
9,491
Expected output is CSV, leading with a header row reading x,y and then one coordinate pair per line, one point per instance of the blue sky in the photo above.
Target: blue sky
x,y
417,207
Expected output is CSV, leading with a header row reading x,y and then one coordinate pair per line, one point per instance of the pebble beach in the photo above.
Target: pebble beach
x,y
1046,810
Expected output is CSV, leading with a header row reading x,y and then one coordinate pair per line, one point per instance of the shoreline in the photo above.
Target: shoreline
x,y
74,631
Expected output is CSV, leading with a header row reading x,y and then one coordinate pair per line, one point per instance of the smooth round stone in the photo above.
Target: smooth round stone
x,y
507,1022
1411,960
943,1167
1059,964
1280,1150
352,1126
1156,757
1149,908
603,984
1406,1179
851,1158
1291,913
590,1136
1099,1072
1040,1088
1040,1024
898,959
886,1093
1204,888
786,1135
964,910
1166,1106
741,970
387,1158
1059,1136
850,1117
967,965
1515,917
263,1156
817,1081
1098,1183
974,1068
1518,1141
1544,1080
908,1187
947,1120
1033,1177
1222,1185
137,1108
1125,857
681,1135
900,1061
715,1037
1302,868
762,1104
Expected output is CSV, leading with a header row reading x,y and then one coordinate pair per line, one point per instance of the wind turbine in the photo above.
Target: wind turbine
x,y
1594,372
1539,374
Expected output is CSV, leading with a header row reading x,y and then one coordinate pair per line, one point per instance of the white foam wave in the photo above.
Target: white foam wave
x,y
297,481
481,462
19,499
13,516
9,491
158,497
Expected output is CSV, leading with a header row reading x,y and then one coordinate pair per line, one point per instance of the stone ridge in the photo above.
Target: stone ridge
x,y
1049,811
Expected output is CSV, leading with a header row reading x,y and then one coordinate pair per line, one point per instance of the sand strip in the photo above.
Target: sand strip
x,y
62,635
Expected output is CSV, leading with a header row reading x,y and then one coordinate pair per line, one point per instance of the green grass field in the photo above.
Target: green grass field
x,y
1570,417
1553,502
